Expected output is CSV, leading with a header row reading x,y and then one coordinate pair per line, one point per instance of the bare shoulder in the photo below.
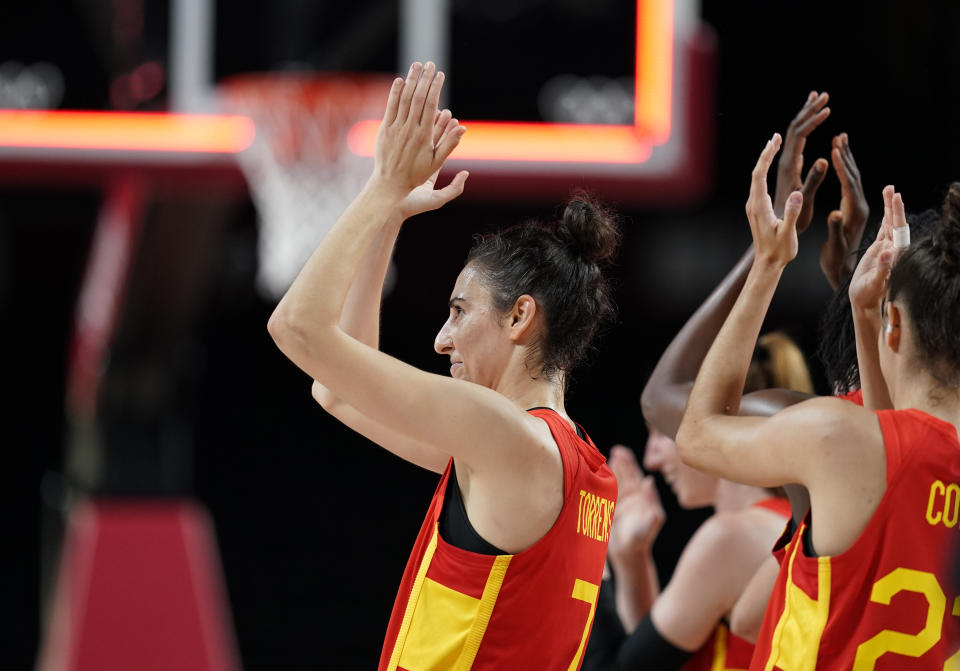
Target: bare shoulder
x,y
830,419
544,447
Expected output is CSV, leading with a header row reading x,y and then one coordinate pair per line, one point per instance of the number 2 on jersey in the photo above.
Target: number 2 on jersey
x,y
912,645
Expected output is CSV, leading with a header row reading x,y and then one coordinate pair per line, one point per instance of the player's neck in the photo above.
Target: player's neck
x,y
925,393
528,392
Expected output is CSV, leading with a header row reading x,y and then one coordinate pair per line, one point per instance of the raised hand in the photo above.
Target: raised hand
x,y
869,282
407,153
844,225
790,166
427,197
774,239
638,515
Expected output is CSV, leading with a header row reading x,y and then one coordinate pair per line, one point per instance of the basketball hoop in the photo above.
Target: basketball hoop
x,y
300,172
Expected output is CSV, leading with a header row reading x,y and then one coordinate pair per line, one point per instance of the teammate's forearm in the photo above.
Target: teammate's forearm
x,y
719,385
665,394
866,326
637,587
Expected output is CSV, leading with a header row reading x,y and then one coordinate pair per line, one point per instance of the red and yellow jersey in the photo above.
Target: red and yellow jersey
x,y
459,610
855,396
725,651
890,602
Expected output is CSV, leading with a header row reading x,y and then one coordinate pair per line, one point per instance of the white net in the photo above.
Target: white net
x,y
300,172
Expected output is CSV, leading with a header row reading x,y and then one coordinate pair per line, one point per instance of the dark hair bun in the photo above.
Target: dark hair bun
x,y
947,238
590,228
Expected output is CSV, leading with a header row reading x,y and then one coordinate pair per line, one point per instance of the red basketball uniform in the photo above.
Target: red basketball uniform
x,y
725,651
853,396
890,601
532,610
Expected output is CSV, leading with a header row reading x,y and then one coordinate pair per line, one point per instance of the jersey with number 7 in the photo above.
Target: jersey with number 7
x,y
891,600
460,610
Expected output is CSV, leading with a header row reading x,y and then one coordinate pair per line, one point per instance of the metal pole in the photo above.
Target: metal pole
x,y
191,56
425,34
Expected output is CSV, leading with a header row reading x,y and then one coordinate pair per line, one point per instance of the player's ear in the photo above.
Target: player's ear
x,y
521,318
892,330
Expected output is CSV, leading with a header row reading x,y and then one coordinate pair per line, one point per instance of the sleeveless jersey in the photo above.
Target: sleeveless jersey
x,y
462,611
725,651
855,396
890,602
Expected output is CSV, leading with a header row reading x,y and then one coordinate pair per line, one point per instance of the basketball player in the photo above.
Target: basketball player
x,y
506,569
864,582
687,625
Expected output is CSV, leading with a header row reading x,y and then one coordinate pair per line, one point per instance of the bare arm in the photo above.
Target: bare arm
x,y
746,617
822,443
712,573
361,319
361,315
716,394
474,423
867,288
665,395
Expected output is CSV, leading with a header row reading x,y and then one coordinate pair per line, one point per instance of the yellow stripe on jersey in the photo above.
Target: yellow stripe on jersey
x,y
796,639
720,650
487,601
442,628
398,645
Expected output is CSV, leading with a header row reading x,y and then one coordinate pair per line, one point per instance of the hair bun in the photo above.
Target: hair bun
x,y
590,228
947,237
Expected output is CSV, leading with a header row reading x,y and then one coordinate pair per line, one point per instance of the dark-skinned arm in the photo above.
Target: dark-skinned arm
x,y
664,397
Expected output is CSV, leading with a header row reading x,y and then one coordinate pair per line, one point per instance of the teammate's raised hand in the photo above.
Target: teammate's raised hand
x,y
774,239
638,516
790,166
845,224
869,282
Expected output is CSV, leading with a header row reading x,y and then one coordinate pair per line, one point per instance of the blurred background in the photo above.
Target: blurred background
x,y
134,290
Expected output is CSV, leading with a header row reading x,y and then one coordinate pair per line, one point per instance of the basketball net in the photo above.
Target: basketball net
x,y
300,172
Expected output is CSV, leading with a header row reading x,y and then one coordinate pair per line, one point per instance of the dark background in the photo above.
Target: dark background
x,y
314,524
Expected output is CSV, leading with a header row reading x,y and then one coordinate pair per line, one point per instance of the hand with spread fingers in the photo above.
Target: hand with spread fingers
x,y
409,147
638,516
869,282
774,239
844,225
790,165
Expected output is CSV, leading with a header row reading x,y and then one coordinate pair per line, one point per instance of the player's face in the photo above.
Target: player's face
x,y
693,488
473,336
